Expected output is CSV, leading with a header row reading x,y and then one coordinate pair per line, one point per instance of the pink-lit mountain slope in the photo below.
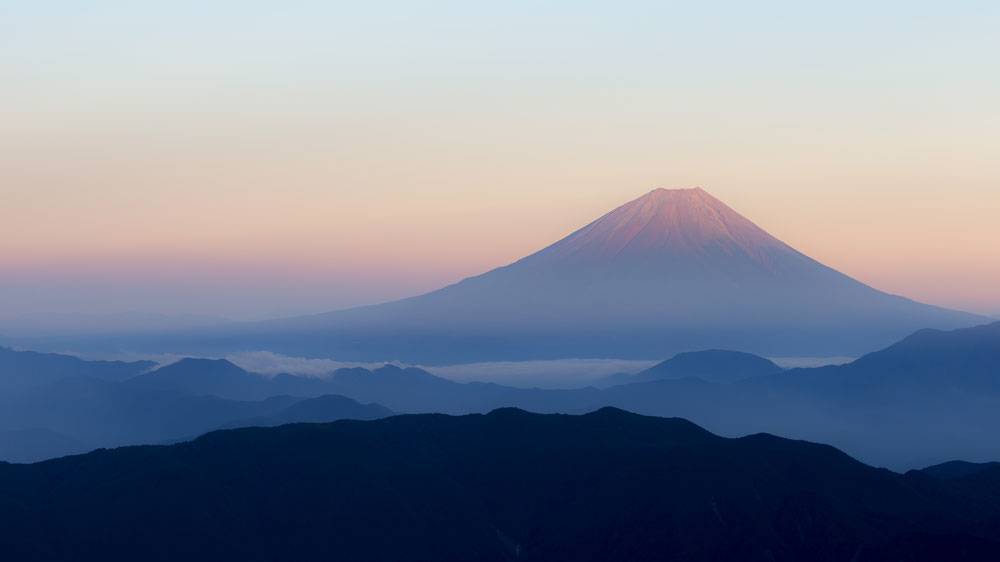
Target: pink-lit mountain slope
x,y
672,271
674,235
667,224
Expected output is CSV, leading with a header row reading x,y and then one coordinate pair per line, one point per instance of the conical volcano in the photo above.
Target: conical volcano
x,y
674,270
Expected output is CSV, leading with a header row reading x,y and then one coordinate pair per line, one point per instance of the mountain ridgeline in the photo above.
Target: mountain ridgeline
x,y
714,365
20,370
509,485
930,398
54,405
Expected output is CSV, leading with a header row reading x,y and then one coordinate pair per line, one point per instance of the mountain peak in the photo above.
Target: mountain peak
x,y
673,270
661,197
669,223
665,192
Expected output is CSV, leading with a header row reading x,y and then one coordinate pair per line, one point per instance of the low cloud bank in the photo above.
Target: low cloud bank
x,y
563,373
559,373
270,364
794,362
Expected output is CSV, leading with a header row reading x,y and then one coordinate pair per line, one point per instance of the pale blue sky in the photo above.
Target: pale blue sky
x,y
154,155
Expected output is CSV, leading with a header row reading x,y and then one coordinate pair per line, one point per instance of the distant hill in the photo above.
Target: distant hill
x,y
203,377
20,370
967,358
54,412
929,398
713,365
959,469
322,409
408,390
509,485
221,378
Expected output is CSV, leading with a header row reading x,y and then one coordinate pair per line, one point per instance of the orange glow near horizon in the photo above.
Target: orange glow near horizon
x,y
922,251
395,152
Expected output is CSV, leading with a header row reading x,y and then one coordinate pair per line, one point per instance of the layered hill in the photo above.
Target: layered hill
x,y
504,486
22,370
54,405
931,397
714,365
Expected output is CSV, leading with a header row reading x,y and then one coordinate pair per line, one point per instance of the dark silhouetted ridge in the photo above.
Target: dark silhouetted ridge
x,y
958,469
608,486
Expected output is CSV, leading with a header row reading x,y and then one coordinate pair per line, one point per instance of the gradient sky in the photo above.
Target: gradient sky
x,y
252,159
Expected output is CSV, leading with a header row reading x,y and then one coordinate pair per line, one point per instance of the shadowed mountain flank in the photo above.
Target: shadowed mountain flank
x,y
715,365
958,469
508,485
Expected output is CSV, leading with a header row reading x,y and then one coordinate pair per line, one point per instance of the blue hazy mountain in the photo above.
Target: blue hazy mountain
x,y
106,414
20,370
322,409
408,390
931,397
76,415
672,271
965,361
967,358
220,377
505,486
204,377
714,365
